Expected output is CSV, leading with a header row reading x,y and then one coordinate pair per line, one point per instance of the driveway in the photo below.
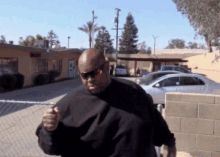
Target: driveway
x,y
18,121
50,92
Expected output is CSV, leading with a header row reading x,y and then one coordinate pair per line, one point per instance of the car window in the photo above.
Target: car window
x,y
177,68
189,81
201,82
173,81
168,68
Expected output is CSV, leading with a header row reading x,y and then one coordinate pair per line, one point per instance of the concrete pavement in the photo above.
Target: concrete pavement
x,y
18,121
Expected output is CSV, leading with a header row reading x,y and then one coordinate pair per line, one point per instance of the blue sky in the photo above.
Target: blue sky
x,y
31,17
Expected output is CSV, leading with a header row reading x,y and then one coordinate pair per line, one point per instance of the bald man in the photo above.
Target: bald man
x,y
106,117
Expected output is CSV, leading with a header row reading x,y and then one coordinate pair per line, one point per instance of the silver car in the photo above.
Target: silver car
x,y
186,83
150,77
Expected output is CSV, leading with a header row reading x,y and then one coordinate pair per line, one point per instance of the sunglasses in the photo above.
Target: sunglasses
x,y
93,73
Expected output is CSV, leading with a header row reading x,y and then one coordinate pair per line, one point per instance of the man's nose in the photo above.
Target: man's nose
x,y
90,78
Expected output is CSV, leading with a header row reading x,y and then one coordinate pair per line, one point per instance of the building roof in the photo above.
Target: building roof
x,y
152,57
43,51
60,53
180,51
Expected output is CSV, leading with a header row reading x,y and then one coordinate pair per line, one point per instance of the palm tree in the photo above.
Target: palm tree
x,y
90,28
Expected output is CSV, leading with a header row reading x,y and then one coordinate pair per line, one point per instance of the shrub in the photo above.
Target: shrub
x,y
8,82
52,75
20,80
41,79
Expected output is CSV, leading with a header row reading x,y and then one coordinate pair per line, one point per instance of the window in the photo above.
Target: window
x,y
173,81
189,81
201,82
8,66
57,65
42,66
168,68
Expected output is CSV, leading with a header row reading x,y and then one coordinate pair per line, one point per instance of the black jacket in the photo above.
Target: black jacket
x,y
119,122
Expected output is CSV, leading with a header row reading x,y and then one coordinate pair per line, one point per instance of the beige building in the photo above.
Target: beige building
x,y
33,61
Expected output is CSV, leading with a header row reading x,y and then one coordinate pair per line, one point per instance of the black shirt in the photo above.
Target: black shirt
x,y
121,121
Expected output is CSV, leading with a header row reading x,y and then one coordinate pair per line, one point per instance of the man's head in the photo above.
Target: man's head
x,y
94,71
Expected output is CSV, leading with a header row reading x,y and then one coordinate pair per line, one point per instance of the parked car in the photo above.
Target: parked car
x,y
174,68
177,68
144,72
147,79
186,83
121,70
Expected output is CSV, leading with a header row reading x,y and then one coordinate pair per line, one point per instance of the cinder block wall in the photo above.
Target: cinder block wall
x,y
195,121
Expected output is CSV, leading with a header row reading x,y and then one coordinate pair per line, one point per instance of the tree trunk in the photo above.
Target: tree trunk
x,y
210,46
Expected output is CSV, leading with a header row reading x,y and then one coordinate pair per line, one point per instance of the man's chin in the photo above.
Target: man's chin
x,y
94,90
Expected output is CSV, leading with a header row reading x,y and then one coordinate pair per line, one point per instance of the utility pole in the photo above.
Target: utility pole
x,y
154,42
93,20
68,41
116,20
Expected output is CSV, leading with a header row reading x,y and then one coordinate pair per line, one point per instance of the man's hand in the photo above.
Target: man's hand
x,y
51,118
171,151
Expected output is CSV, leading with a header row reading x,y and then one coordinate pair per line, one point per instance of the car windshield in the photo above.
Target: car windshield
x,y
121,66
148,79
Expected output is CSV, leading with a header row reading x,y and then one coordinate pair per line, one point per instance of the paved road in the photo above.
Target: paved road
x,y
43,93
18,121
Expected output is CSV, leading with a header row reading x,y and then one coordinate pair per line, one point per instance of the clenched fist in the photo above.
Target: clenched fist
x,y
51,119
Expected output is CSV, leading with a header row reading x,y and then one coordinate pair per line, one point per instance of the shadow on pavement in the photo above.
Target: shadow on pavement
x,y
37,93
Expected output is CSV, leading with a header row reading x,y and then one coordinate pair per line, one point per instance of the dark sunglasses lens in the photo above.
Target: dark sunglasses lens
x,y
92,74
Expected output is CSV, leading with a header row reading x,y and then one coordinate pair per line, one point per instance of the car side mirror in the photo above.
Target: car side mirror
x,y
157,85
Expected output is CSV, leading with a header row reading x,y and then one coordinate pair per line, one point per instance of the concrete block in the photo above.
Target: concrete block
x,y
194,152
173,123
198,98
217,128
217,99
197,126
215,154
209,111
208,143
185,140
173,97
181,109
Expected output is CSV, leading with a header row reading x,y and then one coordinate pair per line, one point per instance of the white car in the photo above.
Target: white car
x,y
121,70
186,83
150,77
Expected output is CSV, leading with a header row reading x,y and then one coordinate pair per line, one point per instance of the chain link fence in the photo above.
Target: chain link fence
x,y
18,123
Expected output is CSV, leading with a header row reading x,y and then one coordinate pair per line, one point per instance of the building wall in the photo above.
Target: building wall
x,y
24,63
25,68
195,121
65,64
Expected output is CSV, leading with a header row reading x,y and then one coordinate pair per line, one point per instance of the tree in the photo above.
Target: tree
x,y
3,40
39,37
192,45
203,16
142,48
201,46
53,38
176,44
103,41
29,41
128,42
90,28
149,50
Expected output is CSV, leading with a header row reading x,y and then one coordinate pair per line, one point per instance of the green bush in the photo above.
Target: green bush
x,y
20,80
52,75
41,79
8,82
